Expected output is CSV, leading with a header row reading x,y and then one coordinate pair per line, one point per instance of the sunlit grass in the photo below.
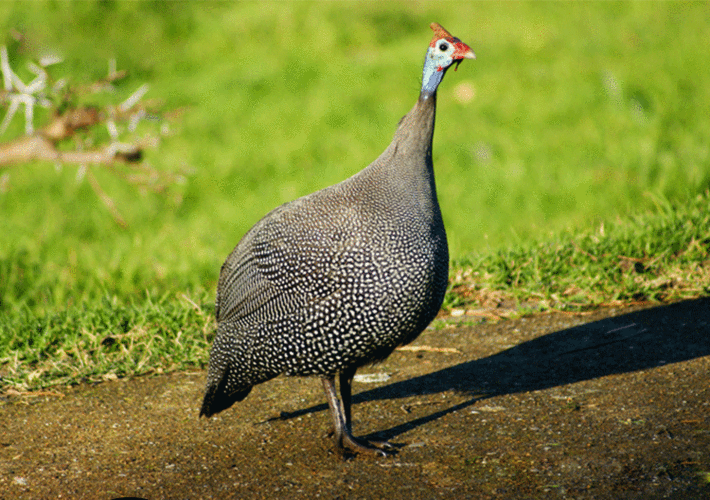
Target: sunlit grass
x,y
572,118
658,256
104,340
655,257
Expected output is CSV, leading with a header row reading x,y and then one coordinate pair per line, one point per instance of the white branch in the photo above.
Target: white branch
x,y
11,110
134,98
6,71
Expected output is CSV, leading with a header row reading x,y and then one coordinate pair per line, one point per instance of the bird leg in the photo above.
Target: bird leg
x,y
346,396
346,380
342,421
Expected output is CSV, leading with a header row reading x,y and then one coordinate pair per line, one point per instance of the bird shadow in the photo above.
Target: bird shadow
x,y
621,344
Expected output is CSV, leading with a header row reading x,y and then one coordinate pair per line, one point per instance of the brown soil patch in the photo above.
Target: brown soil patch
x,y
610,405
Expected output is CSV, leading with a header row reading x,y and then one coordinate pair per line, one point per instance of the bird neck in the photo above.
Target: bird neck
x,y
411,163
406,165
416,130
432,75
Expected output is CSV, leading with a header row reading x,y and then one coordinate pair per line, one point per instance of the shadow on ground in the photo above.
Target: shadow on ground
x,y
614,404
627,343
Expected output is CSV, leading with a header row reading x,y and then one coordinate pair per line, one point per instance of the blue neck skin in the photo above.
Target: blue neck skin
x,y
431,77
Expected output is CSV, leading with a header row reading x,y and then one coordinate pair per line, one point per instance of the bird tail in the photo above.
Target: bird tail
x,y
217,398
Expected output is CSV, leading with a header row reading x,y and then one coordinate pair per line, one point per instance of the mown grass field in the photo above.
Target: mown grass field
x,y
572,159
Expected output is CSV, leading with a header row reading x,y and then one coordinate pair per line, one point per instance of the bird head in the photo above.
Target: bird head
x,y
444,50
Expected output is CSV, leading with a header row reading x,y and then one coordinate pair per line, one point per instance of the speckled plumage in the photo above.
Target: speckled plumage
x,y
337,279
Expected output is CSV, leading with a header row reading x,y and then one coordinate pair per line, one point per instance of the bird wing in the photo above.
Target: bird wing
x,y
288,258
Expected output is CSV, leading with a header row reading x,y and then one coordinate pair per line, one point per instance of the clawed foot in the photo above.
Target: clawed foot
x,y
379,448
348,443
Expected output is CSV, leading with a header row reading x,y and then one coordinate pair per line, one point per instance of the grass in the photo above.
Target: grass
x,y
657,256
633,260
573,118
104,341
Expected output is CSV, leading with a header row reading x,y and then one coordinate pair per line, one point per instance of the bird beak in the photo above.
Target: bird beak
x,y
469,54
462,52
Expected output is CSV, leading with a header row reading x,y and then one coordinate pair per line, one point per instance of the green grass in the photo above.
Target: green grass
x,y
103,341
583,115
655,257
658,256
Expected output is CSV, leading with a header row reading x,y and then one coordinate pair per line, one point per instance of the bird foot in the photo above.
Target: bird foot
x,y
357,445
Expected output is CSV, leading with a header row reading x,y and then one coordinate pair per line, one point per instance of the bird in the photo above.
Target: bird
x,y
337,279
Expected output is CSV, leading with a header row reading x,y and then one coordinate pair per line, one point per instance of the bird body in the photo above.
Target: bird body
x,y
339,278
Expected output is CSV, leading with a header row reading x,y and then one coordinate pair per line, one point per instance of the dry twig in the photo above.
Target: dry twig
x,y
44,144
426,348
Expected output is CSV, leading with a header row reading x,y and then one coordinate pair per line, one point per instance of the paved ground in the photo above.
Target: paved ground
x,y
610,405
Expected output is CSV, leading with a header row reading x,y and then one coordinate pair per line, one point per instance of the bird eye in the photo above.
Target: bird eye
x,y
443,47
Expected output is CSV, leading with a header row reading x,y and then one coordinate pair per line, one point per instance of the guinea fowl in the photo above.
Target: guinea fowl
x,y
338,279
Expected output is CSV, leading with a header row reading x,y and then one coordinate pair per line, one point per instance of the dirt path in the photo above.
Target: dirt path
x,y
556,406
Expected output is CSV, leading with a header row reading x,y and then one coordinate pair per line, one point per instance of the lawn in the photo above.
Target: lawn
x,y
572,159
